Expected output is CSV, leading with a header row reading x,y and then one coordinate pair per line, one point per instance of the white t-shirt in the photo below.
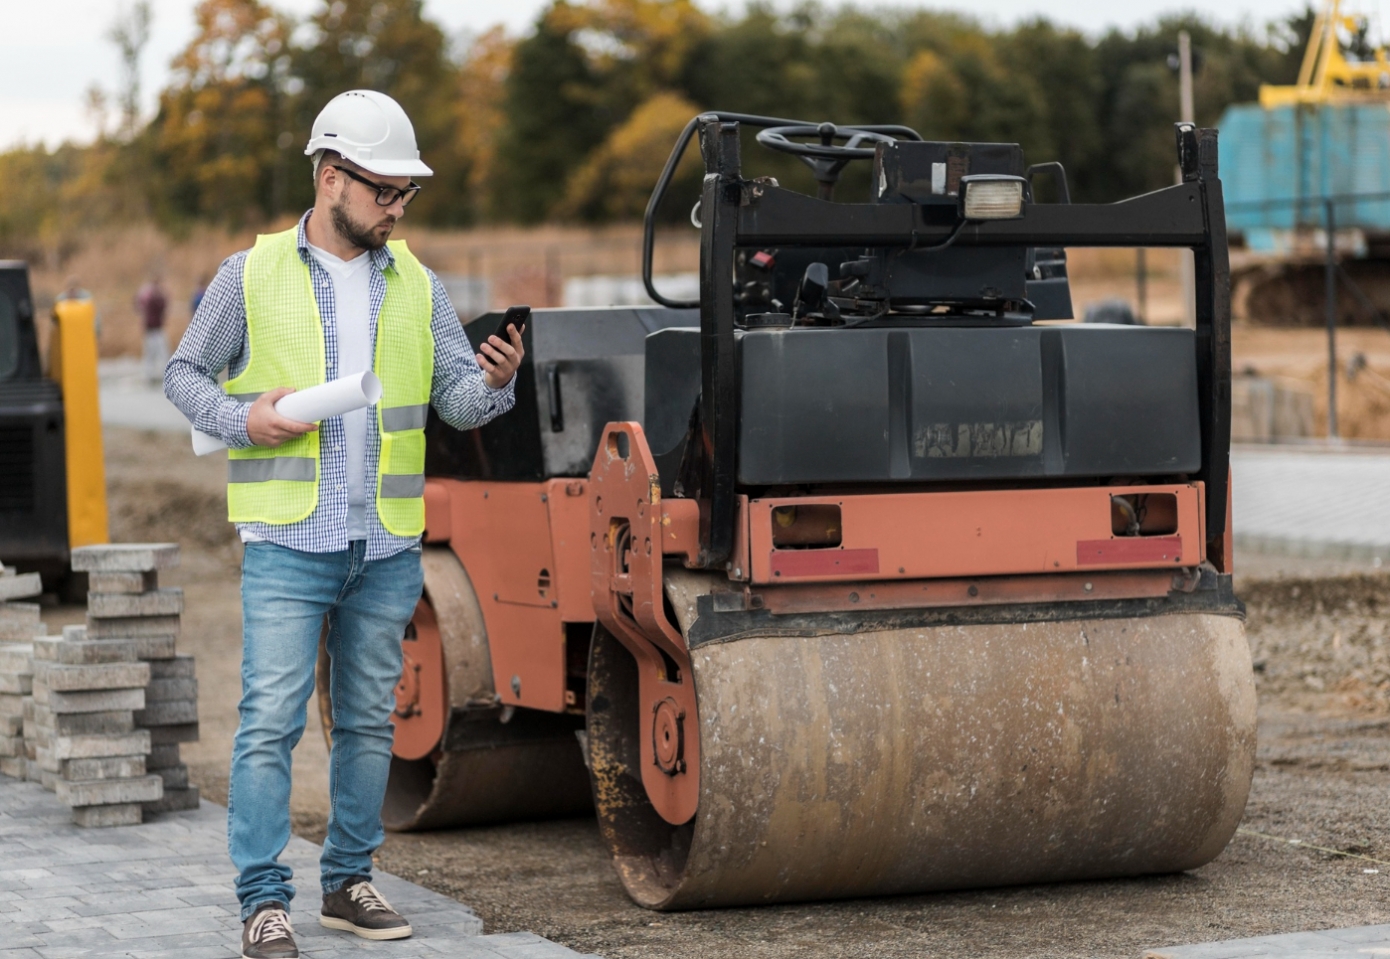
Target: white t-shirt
x,y
352,309
352,302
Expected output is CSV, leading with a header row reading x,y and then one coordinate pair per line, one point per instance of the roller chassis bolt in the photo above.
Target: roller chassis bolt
x,y
668,737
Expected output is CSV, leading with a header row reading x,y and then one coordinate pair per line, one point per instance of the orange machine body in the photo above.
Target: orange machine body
x,y
535,553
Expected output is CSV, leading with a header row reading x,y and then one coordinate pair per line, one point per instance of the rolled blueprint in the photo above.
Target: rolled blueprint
x,y
340,396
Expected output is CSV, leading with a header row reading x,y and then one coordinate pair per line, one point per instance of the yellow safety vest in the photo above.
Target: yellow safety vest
x,y
285,339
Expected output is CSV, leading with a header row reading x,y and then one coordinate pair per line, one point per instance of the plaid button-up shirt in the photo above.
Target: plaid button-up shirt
x,y
216,340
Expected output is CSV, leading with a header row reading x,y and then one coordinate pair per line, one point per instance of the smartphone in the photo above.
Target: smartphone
x,y
516,315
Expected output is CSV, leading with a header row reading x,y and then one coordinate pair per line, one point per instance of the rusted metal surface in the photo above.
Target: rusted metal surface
x,y
887,536
421,709
626,537
937,758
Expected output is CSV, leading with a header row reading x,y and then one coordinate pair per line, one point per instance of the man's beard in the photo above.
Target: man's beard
x,y
364,238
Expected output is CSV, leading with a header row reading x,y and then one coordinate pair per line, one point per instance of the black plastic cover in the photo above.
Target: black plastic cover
x,y
950,403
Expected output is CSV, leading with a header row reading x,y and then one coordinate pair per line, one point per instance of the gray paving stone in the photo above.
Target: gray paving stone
x,y
1311,503
163,757
123,582
103,792
16,657
164,889
96,701
125,557
169,690
1321,944
177,712
132,627
175,799
179,667
60,677
20,631
155,647
159,602
20,586
21,684
107,767
80,652
85,724
168,735
175,777
99,817
90,747
19,613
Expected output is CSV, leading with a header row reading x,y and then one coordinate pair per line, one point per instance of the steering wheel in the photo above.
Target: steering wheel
x,y
827,158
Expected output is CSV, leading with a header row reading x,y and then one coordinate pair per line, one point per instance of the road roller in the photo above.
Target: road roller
x,y
866,573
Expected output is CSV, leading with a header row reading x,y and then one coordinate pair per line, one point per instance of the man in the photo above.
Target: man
x,y
331,515
151,304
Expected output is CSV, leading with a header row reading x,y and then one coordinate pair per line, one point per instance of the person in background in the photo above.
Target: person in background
x,y
152,304
73,290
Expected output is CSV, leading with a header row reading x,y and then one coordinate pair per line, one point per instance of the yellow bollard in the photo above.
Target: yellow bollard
x,y
72,363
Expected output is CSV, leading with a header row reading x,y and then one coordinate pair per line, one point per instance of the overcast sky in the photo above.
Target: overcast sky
x,y
52,51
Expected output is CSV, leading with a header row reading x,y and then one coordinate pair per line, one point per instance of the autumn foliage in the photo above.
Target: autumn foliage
x,y
573,120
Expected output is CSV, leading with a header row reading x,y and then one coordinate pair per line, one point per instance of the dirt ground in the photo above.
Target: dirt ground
x,y
1322,652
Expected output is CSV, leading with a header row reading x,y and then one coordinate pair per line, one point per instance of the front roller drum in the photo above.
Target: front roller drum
x,y
946,757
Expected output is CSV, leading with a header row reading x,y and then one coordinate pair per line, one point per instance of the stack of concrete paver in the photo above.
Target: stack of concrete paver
x,y
19,624
125,604
83,726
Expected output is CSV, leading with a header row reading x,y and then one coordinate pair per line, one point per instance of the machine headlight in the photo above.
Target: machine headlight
x,y
991,197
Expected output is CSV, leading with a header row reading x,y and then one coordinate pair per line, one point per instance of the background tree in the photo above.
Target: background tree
x,y
387,45
219,143
574,119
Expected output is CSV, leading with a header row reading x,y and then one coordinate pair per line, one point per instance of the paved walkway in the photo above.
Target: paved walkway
x,y
163,890
1313,503
128,399
1329,944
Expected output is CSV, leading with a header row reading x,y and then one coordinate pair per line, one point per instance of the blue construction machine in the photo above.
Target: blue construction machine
x,y
1306,157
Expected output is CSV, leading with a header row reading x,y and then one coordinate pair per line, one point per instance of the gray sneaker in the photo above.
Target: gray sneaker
x,y
358,908
268,934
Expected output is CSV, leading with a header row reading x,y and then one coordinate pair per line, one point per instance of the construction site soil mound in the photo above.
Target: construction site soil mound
x,y
1323,770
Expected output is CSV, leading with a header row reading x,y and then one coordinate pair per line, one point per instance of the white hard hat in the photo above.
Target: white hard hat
x,y
371,130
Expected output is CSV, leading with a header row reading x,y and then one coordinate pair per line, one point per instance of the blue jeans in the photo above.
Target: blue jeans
x,y
285,595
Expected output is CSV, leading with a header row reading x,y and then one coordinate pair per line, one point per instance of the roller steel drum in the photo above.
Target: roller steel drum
x,y
945,757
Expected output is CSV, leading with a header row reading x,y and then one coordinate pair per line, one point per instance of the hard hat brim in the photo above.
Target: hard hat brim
x,y
395,167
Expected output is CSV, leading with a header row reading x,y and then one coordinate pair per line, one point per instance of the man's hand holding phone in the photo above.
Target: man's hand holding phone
x,y
501,358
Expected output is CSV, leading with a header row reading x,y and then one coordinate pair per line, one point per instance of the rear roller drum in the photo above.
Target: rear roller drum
x,y
459,759
948,757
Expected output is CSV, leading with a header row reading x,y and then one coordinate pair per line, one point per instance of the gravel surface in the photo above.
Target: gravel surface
x,y
1319,641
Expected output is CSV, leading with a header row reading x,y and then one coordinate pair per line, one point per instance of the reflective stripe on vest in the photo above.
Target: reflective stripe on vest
x,y
405,417
286,347
293,469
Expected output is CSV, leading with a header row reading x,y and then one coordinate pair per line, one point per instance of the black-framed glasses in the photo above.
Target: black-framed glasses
x,y
385,193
